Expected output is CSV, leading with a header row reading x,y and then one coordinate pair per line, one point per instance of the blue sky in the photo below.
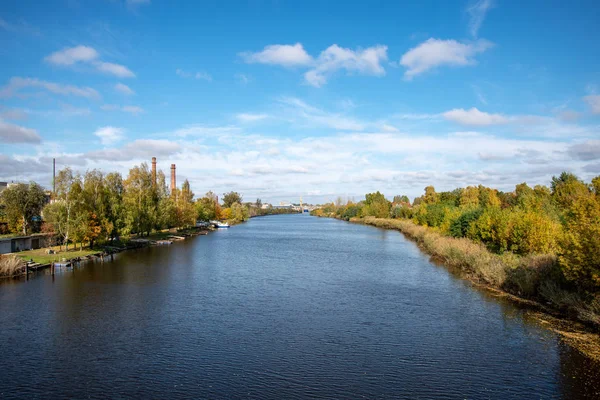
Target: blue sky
x,y
282,99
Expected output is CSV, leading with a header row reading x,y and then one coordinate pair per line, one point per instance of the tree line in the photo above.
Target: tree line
x,y
562,220
103,207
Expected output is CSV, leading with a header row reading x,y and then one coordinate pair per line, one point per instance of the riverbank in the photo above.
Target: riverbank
x,y
19,264
516,278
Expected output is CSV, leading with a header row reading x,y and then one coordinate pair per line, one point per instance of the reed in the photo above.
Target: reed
x,y
11,266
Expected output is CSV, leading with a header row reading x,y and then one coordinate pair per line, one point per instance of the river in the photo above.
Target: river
x,y
281,307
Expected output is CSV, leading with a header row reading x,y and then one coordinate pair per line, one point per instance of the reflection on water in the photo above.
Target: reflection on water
x,y
280,307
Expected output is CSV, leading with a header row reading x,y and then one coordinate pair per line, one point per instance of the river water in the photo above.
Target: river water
x,y
281,307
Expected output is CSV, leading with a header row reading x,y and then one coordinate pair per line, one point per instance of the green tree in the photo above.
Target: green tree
x,y
114,189
230,198
64,214
376,205
22,202
567,188
140,200
580,248
430,195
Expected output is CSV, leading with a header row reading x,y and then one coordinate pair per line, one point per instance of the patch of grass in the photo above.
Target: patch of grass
x,y
40,256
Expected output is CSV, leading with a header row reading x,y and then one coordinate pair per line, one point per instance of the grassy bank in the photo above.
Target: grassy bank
x,y
41,256
531,279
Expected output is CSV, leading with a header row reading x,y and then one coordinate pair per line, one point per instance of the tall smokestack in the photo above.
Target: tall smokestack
x,y
173,180
54,177
154,171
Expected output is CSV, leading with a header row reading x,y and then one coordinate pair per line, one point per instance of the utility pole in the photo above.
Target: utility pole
x,y
54,177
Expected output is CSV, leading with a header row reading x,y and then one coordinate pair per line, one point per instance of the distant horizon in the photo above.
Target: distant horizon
x,y
279,101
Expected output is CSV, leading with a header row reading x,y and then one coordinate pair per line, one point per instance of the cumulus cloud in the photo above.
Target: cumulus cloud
x,y
279,54
87,55
12,134
124,89
434,53
16,84
109,134
474,117
335,58
477,12
249,117
118,70
594,103
72,55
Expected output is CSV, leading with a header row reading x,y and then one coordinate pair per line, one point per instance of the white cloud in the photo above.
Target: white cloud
x,y
110,134
335,58
477,12
118,70
594,103
280,54
249,117
435,52
198,75
10,133
474,117
16,84
124,89
70,56
87,55
364,61
389,128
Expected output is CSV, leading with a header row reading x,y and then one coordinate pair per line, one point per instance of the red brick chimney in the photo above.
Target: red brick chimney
x,y
173,180
153,171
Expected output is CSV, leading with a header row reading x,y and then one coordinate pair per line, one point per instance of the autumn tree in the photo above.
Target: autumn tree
x,y
376,205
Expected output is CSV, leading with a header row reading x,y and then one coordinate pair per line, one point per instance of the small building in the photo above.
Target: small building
x,y
19,243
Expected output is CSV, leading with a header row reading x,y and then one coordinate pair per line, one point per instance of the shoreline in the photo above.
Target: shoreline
x,y
154,240
573,332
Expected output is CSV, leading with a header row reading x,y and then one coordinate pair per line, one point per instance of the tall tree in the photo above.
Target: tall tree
x,y
63,213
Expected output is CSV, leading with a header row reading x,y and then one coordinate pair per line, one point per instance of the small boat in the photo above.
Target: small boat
x,y
219,224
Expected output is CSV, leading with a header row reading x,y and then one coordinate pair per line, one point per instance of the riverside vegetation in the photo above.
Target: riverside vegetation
x,y
541,244
98,209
